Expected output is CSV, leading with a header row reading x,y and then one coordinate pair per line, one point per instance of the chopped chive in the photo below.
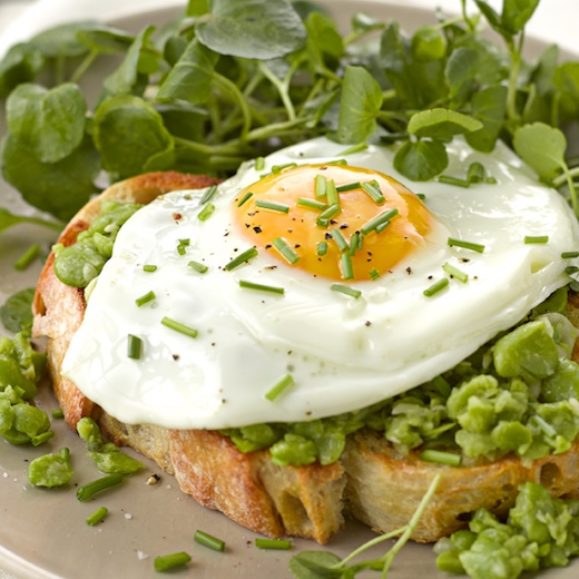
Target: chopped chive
x,y
27,257
241,258
311,204
455,273
58,414
145,299
322,248
149,268
326,216
382,226
197,266
372,189
97,517
421,196
338,162
87,492
466,245
450,180
172,561
209,541
380,219
436,287
570,254
348,187
476,173
279,207
536,239
206,212
331,193
260,164
179,327
261,287
182,246
547,428
346,290
286,382
280,168
346,267
357,148
134,347
285,249
245,199
440,457
355,242
340,240
320,185
273,544
209,194
571,269
374,274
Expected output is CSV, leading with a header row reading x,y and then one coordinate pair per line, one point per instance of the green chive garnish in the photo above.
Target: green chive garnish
x,y
436,287
348,187
58,414
172,561
206,212
245,199
273,544
279,207
372,189
209,541
374,274
382,226
339,239
28,257
547,428
280,168
286,382
457,182
379,220
134,347
440,457
571,269
320,184
97,517
322,248
260,164
346,267
341,162
241,258
326,216
570,254
285,250
311,204
261,287
346,290
332,193
466,245
179,327
421,196
536,239
145,299
455,273
87,492
197,266
209,194
355,242
358,148
182,246
149,268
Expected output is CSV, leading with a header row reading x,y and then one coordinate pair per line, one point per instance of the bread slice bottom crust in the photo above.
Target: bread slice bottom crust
x,y
369,482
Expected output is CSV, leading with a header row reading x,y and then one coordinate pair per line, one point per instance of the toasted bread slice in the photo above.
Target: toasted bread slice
x,y
369,482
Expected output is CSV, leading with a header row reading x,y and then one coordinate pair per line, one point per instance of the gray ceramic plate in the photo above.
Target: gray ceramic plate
x,y
43,534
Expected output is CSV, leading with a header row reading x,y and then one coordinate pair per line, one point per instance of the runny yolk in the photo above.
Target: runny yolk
x,y
381,249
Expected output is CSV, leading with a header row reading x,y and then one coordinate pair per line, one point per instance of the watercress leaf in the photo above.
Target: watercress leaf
x,y
421,160
441,123
544,71
492,64
183,119
360,103
567,84
489,106
174,48
428,43
198,7
314,565
126,77
20,64
323,37
542,147
50,123
105,39
60,188
61,41
252,29
128,132
461,72
190,79
16,313
9,219
492,17
516,13
364,23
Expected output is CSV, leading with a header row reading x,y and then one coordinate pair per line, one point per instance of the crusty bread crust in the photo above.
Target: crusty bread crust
x,y
369,482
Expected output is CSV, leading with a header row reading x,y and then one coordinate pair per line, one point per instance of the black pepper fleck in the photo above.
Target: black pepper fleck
x,y
257,229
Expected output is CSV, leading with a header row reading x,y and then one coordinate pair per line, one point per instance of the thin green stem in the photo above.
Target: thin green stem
x,y
572,191
84,66
232,88
513,83
282,89
273,130
232,148
57,226
564,178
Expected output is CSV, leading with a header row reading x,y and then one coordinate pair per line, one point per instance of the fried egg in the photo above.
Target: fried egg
x,y
283,289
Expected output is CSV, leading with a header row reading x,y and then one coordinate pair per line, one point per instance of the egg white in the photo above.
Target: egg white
x,y
344,353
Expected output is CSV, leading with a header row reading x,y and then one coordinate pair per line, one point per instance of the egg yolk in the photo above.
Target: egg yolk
x,y
292,214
